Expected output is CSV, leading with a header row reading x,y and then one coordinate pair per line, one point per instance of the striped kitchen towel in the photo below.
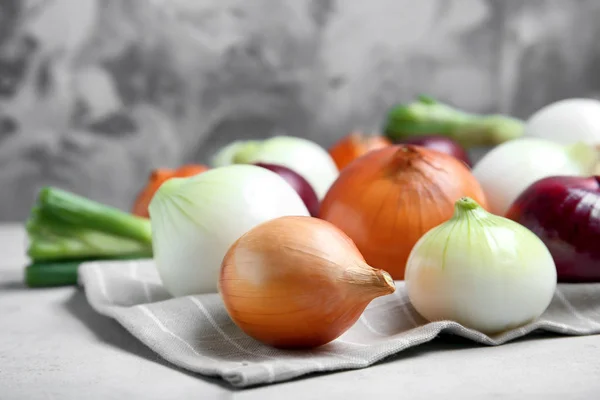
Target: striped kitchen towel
x,y
195,332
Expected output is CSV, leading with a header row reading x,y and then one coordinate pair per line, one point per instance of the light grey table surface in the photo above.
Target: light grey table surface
x,y
54,346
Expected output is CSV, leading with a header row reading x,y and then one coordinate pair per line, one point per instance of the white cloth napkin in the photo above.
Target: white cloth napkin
x,y
195,332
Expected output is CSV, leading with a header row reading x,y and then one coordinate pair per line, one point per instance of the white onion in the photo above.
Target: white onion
x,y
481,270
195,220
567,121
302,156
511,167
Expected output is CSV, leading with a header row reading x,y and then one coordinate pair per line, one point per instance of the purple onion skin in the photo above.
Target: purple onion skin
x,y
440,143
564,212
300,185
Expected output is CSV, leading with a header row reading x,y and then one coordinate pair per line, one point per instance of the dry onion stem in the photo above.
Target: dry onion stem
x,y
298,282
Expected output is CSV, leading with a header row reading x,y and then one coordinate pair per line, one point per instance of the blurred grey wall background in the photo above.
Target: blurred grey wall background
x,y
96,93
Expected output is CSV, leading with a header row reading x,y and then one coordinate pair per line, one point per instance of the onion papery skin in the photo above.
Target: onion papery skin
x,y
387,199
440,143
300,185
564,212
297,282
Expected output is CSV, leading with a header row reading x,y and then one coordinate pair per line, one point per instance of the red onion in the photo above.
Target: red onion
x,y
300,185
440,143
564,211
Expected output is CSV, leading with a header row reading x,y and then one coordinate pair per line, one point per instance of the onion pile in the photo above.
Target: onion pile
x,y
298,240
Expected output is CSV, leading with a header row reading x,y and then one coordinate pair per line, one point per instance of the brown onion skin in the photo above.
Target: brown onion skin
x,y
439,143
387,199
564,212
300,185
354,145
297,282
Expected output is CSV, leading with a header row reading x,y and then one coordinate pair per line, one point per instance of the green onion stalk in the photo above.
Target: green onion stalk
x,y
427,116
65,230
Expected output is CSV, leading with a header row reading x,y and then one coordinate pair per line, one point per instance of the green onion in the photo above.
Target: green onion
x,y
427,116
59,273
69,208
64,226
51,274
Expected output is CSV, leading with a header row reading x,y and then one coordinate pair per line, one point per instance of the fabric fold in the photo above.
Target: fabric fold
x,y
196,333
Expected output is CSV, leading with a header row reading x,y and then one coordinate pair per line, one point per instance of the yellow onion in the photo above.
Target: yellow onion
x,y
297,282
